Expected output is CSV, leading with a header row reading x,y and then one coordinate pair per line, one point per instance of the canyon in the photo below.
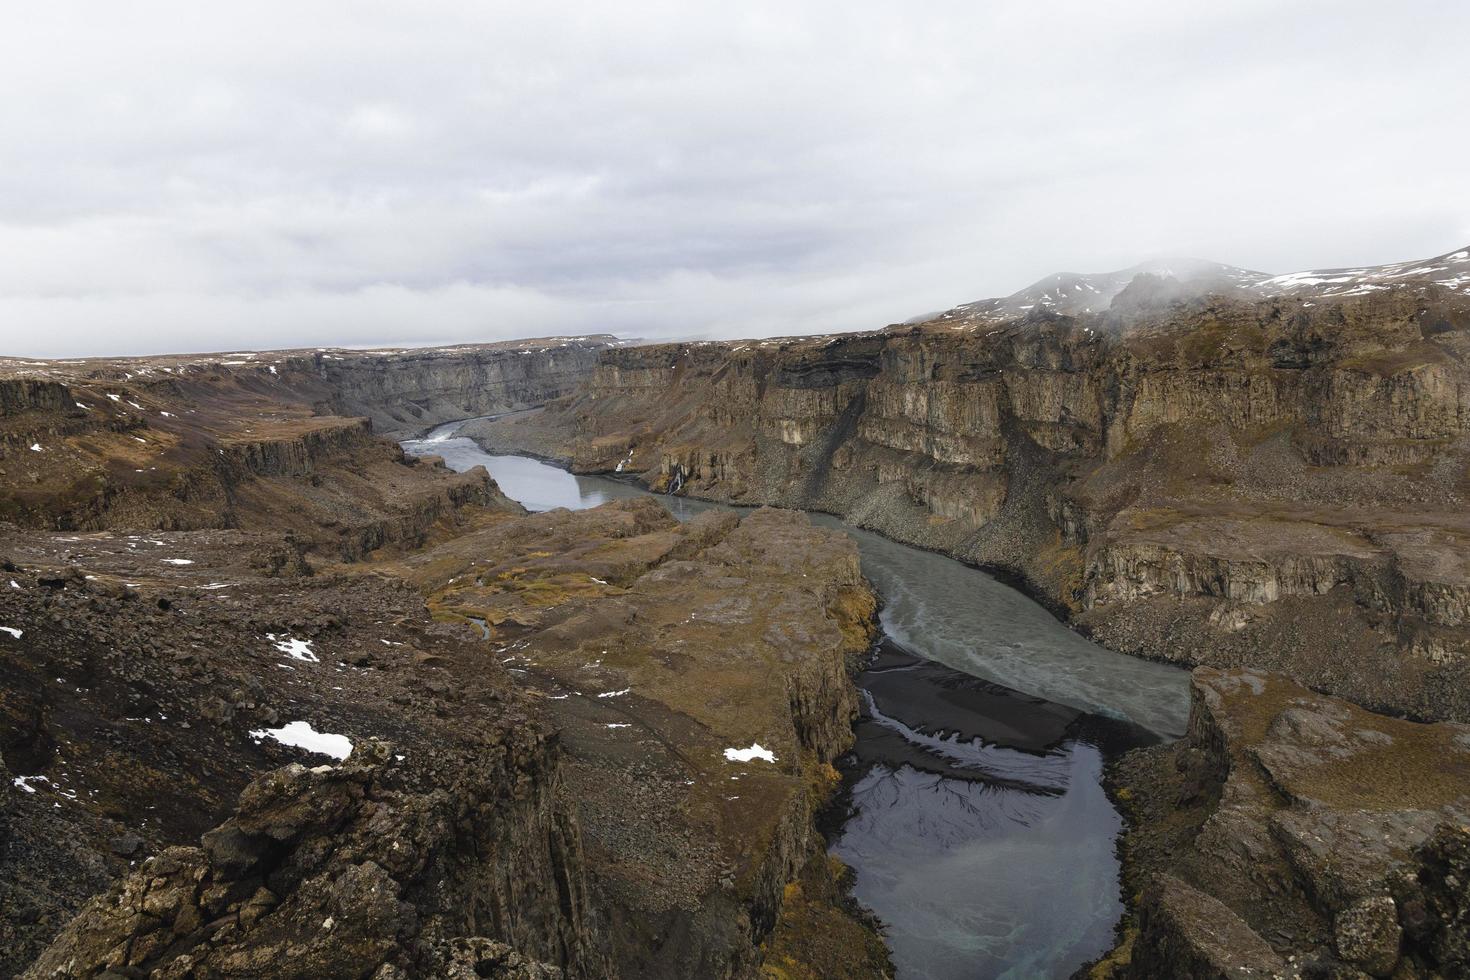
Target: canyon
x,y
282,699
1222,480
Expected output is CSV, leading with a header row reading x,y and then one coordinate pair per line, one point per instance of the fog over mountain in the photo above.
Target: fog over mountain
x,y
189,177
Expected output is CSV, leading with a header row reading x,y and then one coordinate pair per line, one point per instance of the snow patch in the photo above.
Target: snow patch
x,y
615,694
11,629
178,561
303,736
295,649
746,755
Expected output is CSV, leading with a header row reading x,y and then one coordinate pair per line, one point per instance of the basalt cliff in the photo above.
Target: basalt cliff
x,y
1224,478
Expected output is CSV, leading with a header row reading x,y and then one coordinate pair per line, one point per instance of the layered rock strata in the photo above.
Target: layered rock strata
x,y
282,440
1224,481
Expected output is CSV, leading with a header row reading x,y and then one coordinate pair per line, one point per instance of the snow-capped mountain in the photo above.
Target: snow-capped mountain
x,y
1071,292
1451,271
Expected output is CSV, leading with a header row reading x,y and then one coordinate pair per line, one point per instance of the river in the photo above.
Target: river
x,y
972,810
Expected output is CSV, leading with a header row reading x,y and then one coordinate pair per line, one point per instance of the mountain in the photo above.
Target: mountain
x,y
1451,270
1074,293
1093,292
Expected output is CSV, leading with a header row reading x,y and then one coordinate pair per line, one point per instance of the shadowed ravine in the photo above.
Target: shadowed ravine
x,y
972,814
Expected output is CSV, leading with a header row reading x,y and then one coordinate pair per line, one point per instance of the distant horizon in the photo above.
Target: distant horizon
x,y
364,347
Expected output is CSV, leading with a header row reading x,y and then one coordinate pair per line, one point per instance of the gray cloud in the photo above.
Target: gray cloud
x,y
180,176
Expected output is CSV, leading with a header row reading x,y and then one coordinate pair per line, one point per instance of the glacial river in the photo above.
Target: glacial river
x,y
972,811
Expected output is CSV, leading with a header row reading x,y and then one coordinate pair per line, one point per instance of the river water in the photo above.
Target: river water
x,y
972,812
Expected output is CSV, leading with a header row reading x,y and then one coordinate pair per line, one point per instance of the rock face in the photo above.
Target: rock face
x,y
406,392
1295,834
1222,480
700,677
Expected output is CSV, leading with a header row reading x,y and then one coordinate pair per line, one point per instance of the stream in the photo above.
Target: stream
x,y
972,811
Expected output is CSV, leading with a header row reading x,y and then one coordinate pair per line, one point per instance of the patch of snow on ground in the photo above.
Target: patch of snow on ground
x,y
24,782
614,694
11,629
295,649
303,736
178,561
746,755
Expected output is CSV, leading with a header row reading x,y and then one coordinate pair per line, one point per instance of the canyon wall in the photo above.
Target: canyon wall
x,y
1275,482
289,440
406,392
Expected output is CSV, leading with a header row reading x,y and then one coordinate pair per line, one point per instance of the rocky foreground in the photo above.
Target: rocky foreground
x,y
562,791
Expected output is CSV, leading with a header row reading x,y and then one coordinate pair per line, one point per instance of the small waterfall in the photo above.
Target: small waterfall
x,y
677,483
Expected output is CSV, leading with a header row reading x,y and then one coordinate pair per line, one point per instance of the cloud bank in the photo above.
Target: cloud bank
x,y
191,177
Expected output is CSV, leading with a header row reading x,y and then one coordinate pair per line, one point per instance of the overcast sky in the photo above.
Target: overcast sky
x,y
201,176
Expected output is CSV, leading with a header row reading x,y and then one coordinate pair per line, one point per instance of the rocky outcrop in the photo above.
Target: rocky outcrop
x,y
288,453
1294,834
700,676
28,394
332,872
1183,479
1186,933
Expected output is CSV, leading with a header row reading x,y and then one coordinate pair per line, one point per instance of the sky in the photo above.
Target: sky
x,y
197,177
